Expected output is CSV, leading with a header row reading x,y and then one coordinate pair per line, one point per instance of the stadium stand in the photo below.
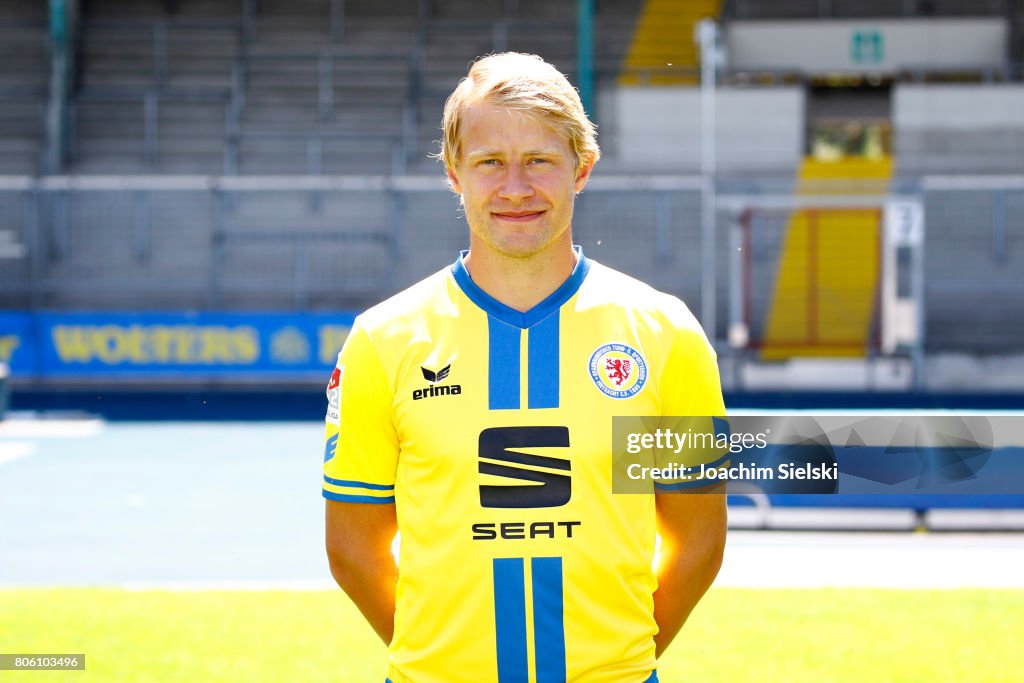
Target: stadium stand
x,y
1016,18
200,86
154,89
663,50
323,99
973,274
24,86
204,90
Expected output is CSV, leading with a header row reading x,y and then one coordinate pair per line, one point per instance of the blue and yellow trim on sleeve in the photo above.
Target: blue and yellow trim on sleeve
x,y
348,491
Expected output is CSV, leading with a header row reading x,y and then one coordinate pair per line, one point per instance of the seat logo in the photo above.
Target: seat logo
x,y
536,481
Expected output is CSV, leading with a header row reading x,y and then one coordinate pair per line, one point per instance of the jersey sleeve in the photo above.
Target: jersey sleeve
x,y
361,450
692,405
691,385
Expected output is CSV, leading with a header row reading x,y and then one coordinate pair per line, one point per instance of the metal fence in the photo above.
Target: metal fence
x,y
324,242
213,242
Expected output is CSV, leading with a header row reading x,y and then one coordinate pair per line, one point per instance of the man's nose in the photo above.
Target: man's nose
x,y
515,185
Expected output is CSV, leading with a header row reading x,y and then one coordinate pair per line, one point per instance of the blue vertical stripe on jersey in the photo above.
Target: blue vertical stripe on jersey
x,y
548,620
503,374
510,619
542,350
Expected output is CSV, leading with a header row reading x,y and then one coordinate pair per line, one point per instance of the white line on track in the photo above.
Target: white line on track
x,y
773,559
201,586
13,450
18,428
876,560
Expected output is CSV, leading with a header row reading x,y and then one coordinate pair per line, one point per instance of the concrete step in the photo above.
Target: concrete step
x,y
197,114
128,147
117,113
20,32
112,164
341,210
128,76
294,8
126,8
178,140
274,71
468,9
22,107
16,165
27,128
266,156
208,8
214,79
302,130
544,9
207,164
25,10
116,43
32,80
20,146
397,10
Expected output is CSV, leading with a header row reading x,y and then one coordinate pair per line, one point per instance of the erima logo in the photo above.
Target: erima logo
x,y
435,377
435,389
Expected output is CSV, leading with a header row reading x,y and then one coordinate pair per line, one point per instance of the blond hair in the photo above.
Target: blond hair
x,y
523,82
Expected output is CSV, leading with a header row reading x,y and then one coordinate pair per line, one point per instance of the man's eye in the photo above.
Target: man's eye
x,y
490,162
540,161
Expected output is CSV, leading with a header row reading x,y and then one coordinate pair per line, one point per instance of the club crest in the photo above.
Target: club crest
x,y
619,371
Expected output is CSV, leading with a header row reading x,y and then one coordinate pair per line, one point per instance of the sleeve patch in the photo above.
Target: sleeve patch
x,y
334,396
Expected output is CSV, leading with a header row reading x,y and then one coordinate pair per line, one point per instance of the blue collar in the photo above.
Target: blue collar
x,y
511,316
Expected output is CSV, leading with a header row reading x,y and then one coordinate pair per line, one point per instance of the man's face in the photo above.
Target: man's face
x,y
517,177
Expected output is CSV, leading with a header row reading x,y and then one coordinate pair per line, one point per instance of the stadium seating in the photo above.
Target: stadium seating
x,y
973,264
202,90
24,86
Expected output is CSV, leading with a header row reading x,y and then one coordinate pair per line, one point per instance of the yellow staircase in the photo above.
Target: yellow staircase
x,y
663,42
826,286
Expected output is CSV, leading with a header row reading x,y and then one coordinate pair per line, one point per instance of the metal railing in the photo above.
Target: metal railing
x,y
295,242
198,242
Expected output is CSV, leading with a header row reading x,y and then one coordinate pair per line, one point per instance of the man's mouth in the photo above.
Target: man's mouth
x,y
517,216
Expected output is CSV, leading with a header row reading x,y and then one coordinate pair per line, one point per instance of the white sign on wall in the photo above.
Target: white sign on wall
x,y
881,46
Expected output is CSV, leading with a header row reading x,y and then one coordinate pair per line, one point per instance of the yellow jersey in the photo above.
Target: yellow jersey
x,y
490,430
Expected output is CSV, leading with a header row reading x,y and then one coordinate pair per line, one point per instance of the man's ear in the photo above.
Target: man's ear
x,y
453,180
583,175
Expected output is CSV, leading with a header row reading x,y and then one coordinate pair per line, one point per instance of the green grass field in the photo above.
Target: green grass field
x,y
791,636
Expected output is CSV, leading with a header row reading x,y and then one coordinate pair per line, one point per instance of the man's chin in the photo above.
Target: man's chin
x,y
522,250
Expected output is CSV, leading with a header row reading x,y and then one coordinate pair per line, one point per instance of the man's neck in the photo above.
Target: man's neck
x,y
520,284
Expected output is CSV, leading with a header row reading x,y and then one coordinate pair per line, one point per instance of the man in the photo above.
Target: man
x,y
472,413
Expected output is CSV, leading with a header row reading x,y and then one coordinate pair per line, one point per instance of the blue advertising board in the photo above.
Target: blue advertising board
x,y
172,346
